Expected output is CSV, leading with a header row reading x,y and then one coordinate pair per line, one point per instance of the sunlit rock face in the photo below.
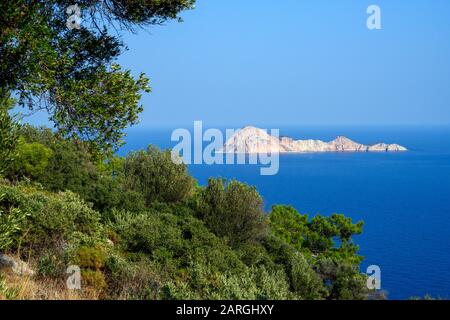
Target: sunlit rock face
x,y
255,140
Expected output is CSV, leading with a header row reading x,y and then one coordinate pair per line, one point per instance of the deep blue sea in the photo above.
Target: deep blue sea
x,y
404,198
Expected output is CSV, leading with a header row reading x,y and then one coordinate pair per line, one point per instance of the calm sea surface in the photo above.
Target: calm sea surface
x,y
404,198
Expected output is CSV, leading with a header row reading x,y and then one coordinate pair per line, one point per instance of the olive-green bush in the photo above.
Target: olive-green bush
x,y
12,221
233,210
52,217
156,176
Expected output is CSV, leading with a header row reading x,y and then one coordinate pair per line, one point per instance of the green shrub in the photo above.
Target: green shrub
x,y
107,193
344,281
289,225
254,254
233,210
52,218
52,264
173,239
75,167
93,279
9,137
12,219
30,162
138,278
322,236
70,168
156,176
251,284
302,278
91,257
60,215
271,285
174,242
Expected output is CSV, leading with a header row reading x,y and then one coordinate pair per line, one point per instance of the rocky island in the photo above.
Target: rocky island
x,y
254,140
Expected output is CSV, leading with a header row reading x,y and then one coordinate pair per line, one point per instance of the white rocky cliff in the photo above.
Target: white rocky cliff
x,y
255,140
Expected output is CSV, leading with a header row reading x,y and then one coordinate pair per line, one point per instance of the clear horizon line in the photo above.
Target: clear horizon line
x,y
269,126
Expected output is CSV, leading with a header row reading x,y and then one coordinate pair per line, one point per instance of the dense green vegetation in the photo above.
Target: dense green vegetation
x,y
140,227
8,134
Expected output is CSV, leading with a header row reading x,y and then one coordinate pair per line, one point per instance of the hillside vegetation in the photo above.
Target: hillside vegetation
x,y
140,227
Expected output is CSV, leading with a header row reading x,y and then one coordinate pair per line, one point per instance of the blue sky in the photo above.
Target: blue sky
x,y
297,62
